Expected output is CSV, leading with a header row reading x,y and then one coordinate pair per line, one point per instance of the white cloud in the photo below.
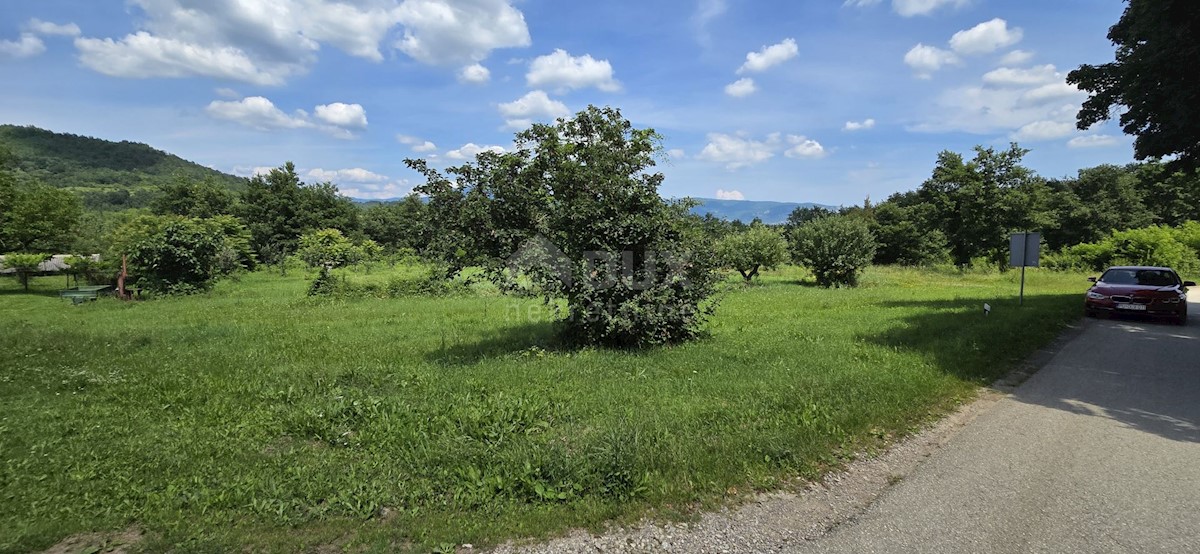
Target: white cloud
x,y
443,32
142,55
351,116
741,88
1093,141
521,113
861,3
257,112
985,38
909,8
737,152
353,175
418,145
1007,76
226,92
676,153
925,60
260,113
563,72
1051,93
803,147
770,56
251,171
730,195
267,42
27,46
1016,57
378,191
1043,130
475,74
470,150
53,29
859,125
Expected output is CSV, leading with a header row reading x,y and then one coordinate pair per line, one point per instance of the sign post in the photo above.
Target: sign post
x,y
1026,252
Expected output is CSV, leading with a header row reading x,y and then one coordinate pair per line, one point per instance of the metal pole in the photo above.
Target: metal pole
x,y
1024,262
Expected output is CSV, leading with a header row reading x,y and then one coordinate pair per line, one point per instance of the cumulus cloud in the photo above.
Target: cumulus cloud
x,y
859,125
142,55
909,8
1016,57
537,105
730,195
562,71
769,56
1007,76
1043,130
266,42
475,74
676,153
226,92
252,171
27,46
741,88
377,191
260,113
443,32
470,150
52,29
351,116
418,145
737,152
804,147
985,38
1093,141
925,60
1002,105
353,175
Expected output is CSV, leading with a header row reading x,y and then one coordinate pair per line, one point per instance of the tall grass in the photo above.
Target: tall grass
x,y
254,417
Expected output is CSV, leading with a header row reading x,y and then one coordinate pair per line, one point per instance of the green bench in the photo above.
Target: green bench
x,y
79,295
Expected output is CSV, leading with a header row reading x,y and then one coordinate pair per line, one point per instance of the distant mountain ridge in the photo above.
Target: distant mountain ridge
x,y
771,213
103,172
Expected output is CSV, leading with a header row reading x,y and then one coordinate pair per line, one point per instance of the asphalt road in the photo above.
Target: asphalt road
x,y
1097,452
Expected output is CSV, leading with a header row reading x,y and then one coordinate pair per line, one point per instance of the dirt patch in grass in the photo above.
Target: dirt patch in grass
x,y
98,543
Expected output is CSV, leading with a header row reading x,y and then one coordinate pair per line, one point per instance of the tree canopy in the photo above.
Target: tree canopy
x,y
1153,77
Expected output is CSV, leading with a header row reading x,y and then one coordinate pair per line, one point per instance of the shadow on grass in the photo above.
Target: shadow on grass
x,y
525,339
35,292
960,340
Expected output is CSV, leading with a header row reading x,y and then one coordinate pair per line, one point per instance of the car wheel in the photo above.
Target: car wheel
x,y
1089,313
1182,319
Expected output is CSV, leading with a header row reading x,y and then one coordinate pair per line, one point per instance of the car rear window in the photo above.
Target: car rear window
x,y
1145,277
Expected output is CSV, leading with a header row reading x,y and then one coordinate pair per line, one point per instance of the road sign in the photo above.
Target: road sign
x,y
1026,252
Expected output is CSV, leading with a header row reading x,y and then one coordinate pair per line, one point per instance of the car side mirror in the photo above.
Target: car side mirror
x,y
1092,279
1189,283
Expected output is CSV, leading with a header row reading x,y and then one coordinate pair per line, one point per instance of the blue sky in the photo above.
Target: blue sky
x,y
806,101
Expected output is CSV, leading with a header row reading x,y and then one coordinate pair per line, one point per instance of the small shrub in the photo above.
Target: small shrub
x,y
835,249
751,250
324,285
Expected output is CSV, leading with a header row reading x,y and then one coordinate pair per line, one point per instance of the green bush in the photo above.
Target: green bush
x,y
1155,245
835,249
330,248
178,255
751,250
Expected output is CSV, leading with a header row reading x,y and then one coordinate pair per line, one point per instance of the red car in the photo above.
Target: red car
x,y
1139,290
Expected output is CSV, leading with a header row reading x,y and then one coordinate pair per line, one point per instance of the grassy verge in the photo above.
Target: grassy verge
x,y
252,417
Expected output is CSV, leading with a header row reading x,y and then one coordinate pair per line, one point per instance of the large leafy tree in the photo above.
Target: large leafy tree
x,y
195,198
396,225
977,203
1153,77
576,209
278,207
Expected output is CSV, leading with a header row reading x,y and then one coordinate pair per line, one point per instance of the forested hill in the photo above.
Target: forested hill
x,y
104,173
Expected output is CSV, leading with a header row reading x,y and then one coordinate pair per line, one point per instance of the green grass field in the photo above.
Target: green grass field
x,y
256,418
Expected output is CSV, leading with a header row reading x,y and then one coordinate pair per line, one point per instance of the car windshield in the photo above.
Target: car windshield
x,y
1145,277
